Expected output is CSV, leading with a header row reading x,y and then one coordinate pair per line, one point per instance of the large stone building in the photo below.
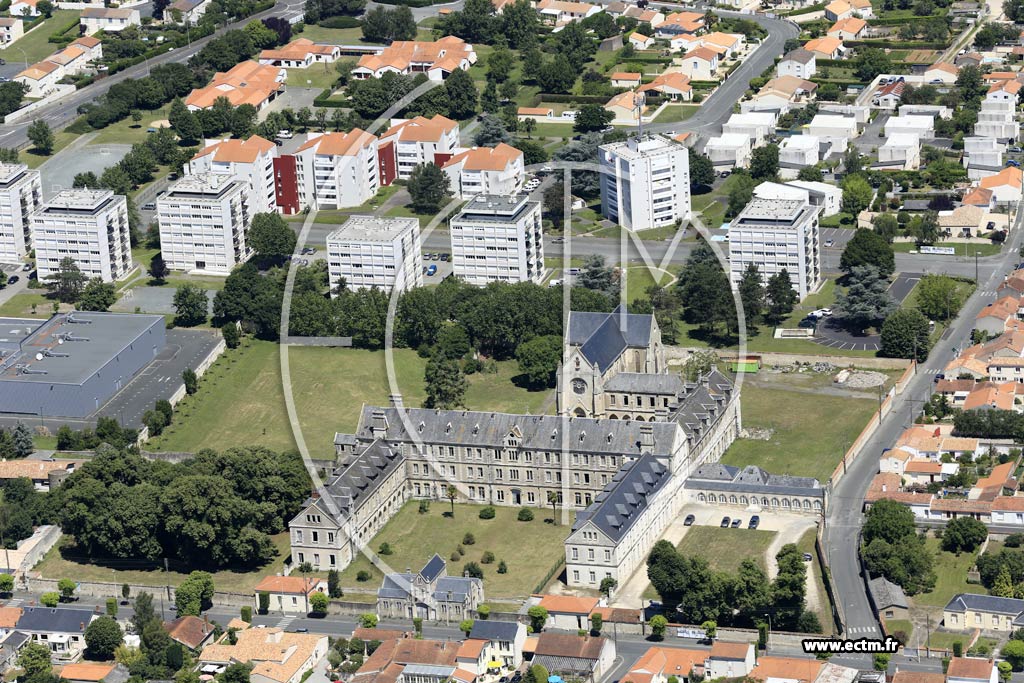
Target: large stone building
x,y
430,594
585,456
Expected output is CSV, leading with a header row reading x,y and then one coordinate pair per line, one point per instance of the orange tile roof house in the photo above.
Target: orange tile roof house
x,y
826,47
679,22
45,474
995,318
389,661
567,611
625,79
42,76
971,670
729,660
486,170
849,28
658,663
94,672
409,143
246,83
192,632
437,59
289,594
276,656
790,669
1005,185
300,54
673,84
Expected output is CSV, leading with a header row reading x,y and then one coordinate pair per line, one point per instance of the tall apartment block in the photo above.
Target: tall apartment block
x,y
777,234
376,252
251,160
204,220
645,182
90,226
20,194
498,238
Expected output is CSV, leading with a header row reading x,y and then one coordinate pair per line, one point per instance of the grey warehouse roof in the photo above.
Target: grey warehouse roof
x,y
751,479
91,340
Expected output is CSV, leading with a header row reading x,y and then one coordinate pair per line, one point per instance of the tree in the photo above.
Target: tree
x,y
97,295
50,599
963,534
67,282
702,171
11,95
867,248
710,629
318,603
925,228
538,617
764,163
195,593
34,658
461,95
368,620
6,584
780,296
740,194
184,123
190,305
871,62
491,132
658,625
752,293
1005,671
539,359
885,225
270,237
334,584
596,622
67,589
1003,586
557,76
592,117
881,661
889,521
232,337
608,584
102,637
429,188
445,383
41,136
466,625
857,194
21,440
529,125
1012,652
191,381
236,673
158,269
905,334
451,493
866,302
810,174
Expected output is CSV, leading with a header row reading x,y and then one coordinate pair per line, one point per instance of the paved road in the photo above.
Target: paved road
x,y
844,519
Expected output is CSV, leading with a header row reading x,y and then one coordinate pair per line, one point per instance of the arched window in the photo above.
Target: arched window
x,y
732,500
743,500
613,416
701,497
775,502
817,505
785,503
712,498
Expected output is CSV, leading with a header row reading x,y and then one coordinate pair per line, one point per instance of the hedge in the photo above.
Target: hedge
x,y
897,45
340,22
323,100
804,10
899,21
573,99
61,36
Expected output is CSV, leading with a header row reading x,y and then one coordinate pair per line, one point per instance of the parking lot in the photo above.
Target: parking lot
x,y
437,265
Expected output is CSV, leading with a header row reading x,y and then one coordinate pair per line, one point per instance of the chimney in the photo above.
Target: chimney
x,y
378,424
206,624
646,436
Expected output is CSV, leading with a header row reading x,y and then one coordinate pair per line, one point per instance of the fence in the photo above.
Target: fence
x,y
111,589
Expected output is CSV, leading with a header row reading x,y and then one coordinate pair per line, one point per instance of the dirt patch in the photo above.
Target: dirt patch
x,y
861,379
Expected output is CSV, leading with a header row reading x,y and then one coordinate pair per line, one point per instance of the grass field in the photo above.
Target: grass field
x,y
905,625
675,113
241,400
952,577
824,612
798,444
414,538
335,36
20,305
33,46
127,132
30,157
318,76
725,549
55,566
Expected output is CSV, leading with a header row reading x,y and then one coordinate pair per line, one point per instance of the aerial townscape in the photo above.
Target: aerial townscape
x,y
511,341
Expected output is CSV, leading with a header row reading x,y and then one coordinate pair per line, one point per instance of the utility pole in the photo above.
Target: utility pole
x,y
976,282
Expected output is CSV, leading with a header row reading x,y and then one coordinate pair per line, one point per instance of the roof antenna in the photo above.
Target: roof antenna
x,y
638,104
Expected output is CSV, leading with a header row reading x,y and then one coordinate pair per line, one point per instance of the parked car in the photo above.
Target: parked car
x,y
149,206
737,523
808,557
754,522
27,267
991,225
285,134
939,376
821,313
690,519
725,522
431,270
829,243
12,279
445,256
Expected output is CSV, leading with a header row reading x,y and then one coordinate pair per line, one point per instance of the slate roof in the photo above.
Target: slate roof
x,y
604,336
799,55
396,585
494,630
433,568
985,603
887,594
361,475
621,503
55,619
645,383
752,479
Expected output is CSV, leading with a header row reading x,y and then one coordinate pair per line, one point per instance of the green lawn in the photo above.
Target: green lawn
x,y
33,159
20,305
952,577
56,565
799,444
334,36
241,400
725,549
639,278
414,538
962,248
548,129
318,76
33,46
127,132
905,625
944,641
676,112
824,612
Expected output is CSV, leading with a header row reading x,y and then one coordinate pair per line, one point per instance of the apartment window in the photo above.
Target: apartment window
x,y
590,554
607,555
316,537
575,576
575,553
593,577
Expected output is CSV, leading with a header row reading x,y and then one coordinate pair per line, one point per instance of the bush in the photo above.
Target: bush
x,y
460,551
473,570
455,557
502,567
488,557
362,575
525,515
424,507
339,22
487,513
385,549
468,539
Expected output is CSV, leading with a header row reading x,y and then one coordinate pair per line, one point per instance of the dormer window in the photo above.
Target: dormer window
x,y
448,428
583,436
421,426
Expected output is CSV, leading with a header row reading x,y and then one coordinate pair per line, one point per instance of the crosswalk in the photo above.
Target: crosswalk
x,y
861,630
14,602
285,622
931,371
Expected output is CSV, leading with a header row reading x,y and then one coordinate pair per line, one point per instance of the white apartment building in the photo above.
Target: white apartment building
x,y
835,129
645,182
337,170
498,239
729,151
20,195
756,125
411,142
922,126
825,196
901,151
90,226
997,119
799,151
203,222
486,170
777,234
376,252
96,19
249,160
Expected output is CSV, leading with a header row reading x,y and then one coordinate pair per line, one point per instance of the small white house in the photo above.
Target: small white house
x,y
729,150
640,41
756,125
800,63
901,151
922,126
700,64
835,129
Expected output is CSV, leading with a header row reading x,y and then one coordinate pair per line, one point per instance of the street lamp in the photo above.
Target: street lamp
x,y
768,639
976,255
